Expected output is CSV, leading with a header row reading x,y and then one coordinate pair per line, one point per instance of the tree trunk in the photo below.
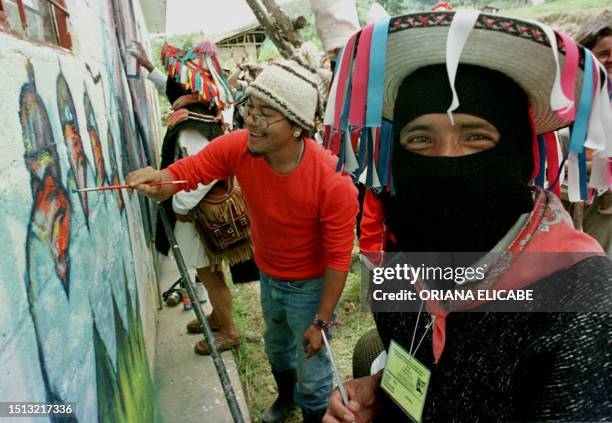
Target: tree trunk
x,y
277,25
283,23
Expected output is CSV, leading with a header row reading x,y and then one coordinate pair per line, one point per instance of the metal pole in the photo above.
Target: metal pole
x,y
206,330
160,301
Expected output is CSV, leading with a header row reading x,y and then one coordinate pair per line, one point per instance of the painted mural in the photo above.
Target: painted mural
x,y
76,274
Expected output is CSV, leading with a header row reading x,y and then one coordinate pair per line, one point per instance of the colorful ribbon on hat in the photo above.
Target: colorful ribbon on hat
x,y
353,118
591,118
558,101
198,70
568,76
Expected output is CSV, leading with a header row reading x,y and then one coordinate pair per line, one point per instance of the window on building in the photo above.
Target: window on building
x,y
42,20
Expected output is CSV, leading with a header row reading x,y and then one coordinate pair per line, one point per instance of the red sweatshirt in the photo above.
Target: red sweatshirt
x,y
302,222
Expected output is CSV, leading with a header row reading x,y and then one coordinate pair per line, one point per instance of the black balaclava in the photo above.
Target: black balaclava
x,y
463,203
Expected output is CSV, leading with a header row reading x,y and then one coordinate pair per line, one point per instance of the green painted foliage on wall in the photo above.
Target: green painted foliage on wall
x,y
127,394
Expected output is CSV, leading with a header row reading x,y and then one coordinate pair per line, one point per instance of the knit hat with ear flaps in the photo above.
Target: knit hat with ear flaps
x,y
291,87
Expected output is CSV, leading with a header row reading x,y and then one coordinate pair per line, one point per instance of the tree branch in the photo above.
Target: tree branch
x,y
283,23
284,47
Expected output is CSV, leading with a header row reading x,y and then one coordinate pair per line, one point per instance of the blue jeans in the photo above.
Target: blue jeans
x,y
288,310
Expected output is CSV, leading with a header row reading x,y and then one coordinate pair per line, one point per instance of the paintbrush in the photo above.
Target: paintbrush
x,y
111,187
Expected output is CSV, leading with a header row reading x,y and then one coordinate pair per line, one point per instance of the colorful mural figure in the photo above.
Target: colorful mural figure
x,y
50,221
48,235
96,144
77,176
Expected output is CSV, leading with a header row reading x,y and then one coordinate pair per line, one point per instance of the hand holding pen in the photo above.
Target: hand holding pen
x,y
355,400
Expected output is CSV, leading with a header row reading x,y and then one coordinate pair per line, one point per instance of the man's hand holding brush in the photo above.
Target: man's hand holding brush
x,y
141,179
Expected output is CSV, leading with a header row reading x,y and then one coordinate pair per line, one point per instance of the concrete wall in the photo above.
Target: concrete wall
x,y
77,284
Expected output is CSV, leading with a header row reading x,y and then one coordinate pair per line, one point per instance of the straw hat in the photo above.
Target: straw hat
x,y
519,49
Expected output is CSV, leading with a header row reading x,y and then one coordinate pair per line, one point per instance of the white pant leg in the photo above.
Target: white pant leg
x,y
192,249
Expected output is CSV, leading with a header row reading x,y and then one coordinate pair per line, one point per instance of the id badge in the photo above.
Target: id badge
x,y
406,381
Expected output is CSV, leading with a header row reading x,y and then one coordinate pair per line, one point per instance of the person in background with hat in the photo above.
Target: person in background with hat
x,y
196,120
464,120
334,22
302,215
596,35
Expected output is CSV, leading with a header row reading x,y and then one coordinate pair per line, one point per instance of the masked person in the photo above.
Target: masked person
x,y
302,216
465,107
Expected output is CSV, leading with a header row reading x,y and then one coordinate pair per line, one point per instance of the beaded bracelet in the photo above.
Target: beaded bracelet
x,y
323,325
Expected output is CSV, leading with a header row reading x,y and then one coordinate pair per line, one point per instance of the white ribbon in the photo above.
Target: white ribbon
x,y
599,136
458,33
596,138
560,156
184,74
573,178
558,100
331,98
350,161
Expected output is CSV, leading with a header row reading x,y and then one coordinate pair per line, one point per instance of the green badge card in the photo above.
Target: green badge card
x,y
406,381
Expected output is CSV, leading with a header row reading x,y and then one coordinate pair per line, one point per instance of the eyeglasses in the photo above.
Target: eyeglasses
x,y
259,120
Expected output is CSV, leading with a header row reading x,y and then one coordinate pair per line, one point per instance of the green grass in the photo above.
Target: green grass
x,y
253,368
555,7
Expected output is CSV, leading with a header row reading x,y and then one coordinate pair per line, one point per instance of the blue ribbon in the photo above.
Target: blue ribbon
x,y
376,77
346,107
579,133
384,158
582,172
188,56
369,175
363,143
198,81
341,155
542,173
561,166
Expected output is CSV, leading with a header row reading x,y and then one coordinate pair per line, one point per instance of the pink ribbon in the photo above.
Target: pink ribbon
x,y
343,75
360,78
552,160
568,76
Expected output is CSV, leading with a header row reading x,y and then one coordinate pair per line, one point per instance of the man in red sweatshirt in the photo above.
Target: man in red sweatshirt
x,y
302,216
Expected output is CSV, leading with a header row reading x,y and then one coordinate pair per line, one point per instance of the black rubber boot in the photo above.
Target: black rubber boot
x,y
277,412
313,416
